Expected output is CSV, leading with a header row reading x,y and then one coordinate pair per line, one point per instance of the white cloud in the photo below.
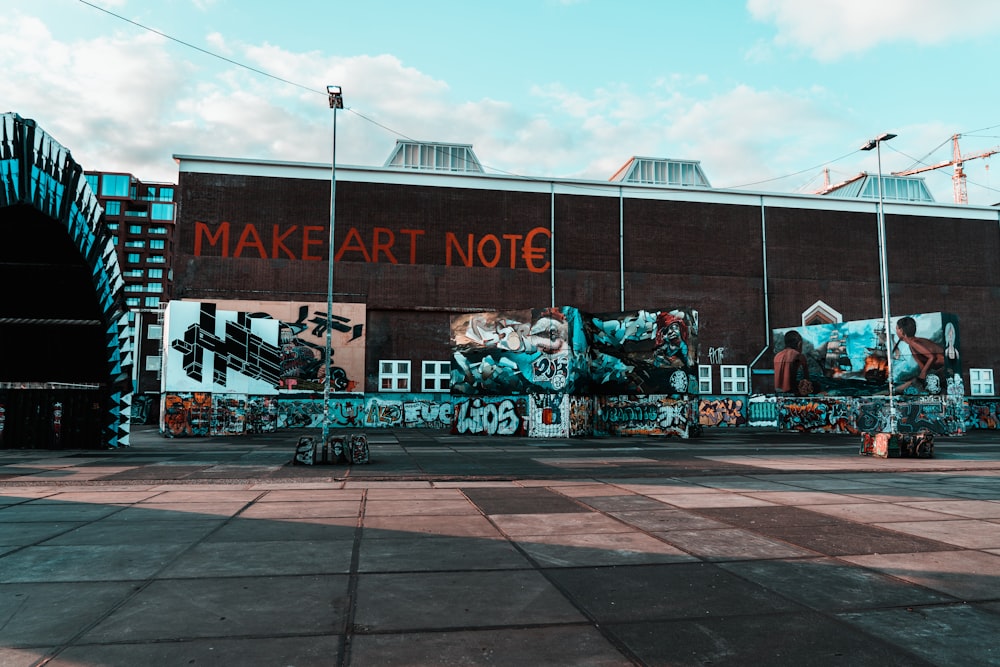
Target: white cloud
x,y
834,28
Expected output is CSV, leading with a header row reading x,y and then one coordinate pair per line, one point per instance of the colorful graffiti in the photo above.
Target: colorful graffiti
x,y
762,411
818,415
646,415
537,351
260,347
852,358
485,415
566,351
722,411
187,415
549,416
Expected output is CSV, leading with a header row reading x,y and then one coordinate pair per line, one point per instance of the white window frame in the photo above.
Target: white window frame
x,y
155,332
981,382
704,378
394,375
734,379
153,363
437,374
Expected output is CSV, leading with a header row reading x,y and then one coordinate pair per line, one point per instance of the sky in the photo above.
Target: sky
x,y
766,94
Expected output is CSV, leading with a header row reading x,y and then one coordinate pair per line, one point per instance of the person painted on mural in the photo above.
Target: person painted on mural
x,y
927,355
671,340
789,365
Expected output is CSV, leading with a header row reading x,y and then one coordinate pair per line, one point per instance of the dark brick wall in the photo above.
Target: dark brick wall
x,y
404,251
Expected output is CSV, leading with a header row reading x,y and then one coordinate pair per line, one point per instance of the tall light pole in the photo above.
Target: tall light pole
x,y
876,143
336,99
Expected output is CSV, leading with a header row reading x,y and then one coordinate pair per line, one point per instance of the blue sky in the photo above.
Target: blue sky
x,y
765,93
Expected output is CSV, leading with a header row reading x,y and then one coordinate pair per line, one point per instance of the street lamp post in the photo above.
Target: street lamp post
x,y
336,100
876,143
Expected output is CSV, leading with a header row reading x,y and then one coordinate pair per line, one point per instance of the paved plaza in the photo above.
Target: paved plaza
x,y
742,547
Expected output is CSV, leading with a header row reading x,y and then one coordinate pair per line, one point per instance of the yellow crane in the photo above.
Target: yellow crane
x,y
957,160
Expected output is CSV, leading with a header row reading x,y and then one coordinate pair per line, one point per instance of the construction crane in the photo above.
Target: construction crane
x,y
957,160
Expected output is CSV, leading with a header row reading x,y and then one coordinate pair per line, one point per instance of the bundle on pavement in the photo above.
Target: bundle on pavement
x,y
338,449
898,445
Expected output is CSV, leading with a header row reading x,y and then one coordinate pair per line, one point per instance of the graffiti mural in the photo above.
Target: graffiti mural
x,y
982,413
302,338
549,416
259,347
818,415
762,411
852,358
645,415
485,415
581,416
537,351
643,352
722,411
187,415
563,350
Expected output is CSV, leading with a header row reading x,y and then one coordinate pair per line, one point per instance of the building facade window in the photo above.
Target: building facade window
x,y
436,376
155,259
157,230
152,363
154,332
115,185
113,208
981,382
394,375
734,379
135,244
135,229
154,273
157,244
132,301
154,287
704,379
161,212
132,258
152,302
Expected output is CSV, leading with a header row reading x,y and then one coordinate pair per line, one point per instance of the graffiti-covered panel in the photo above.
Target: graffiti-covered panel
x,y
643,352
536,351
762,411
303,327
549,416
642,415
852,358
827,415
187,414
490,415
581,416
722,410
564,350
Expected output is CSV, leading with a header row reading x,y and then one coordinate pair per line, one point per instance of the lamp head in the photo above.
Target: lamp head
x,y
335,96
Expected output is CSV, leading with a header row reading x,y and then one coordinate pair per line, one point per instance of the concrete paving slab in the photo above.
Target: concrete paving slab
x,y
22,534
234,607
767,518
246,559
110,532
419,507
302,509
520,525
43,615
34,511
568,646
178,511
305,650
118,562
972,509
313,529
879,512
521,501
601,549
950,635
853,538
459,600
827,584
661,592
463,525
969,533
731,544
805,638
627,503
711,499
440,554
966,575
658,521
